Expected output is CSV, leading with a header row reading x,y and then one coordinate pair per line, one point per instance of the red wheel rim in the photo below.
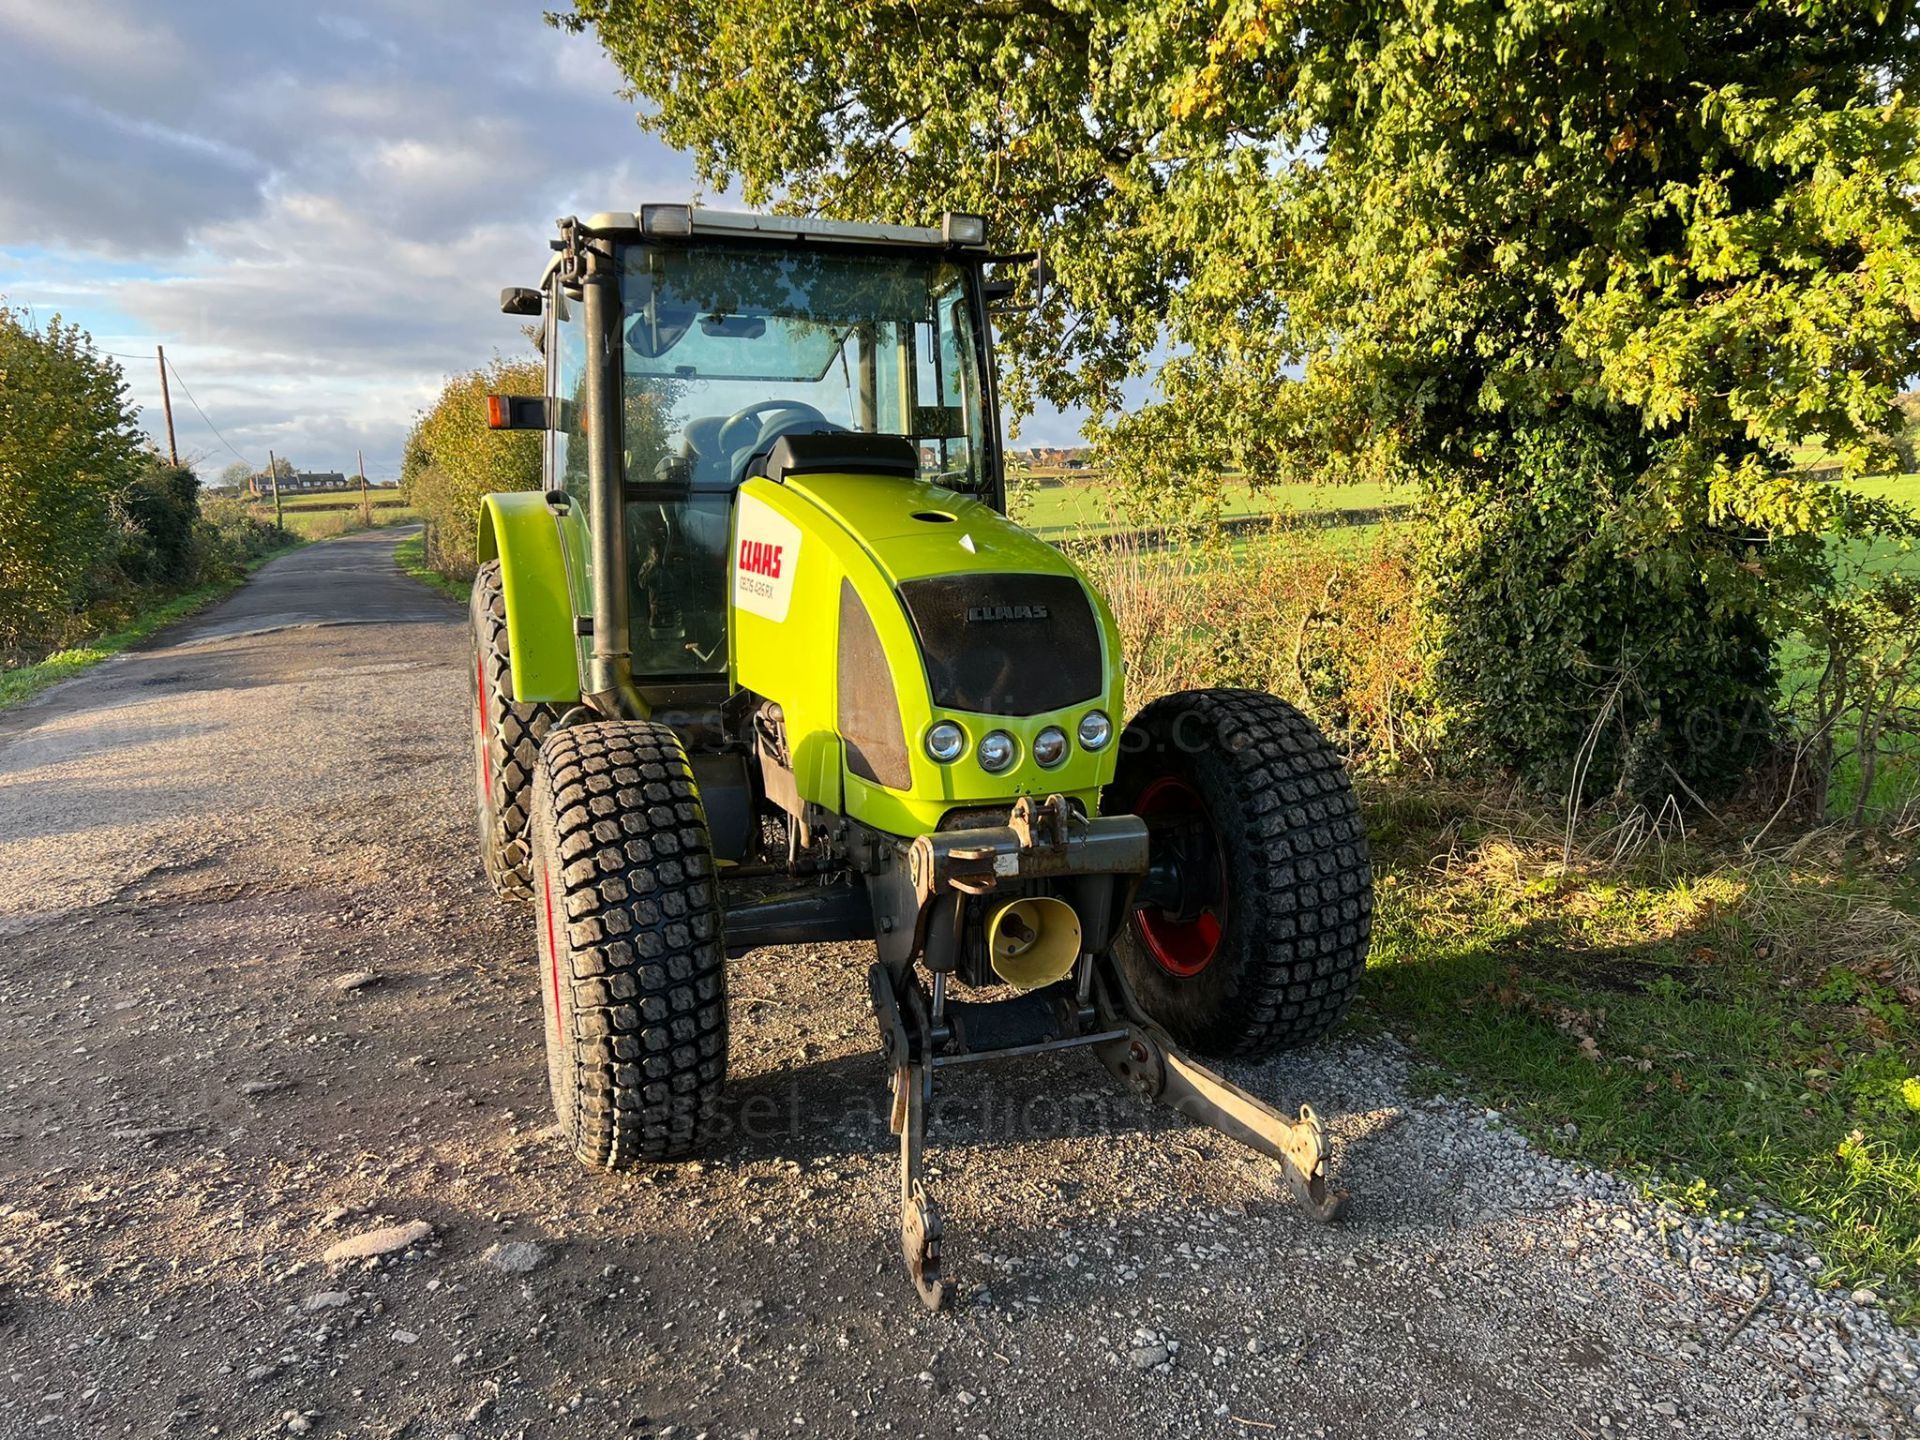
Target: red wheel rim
x,y
1183,947
553,949
480,720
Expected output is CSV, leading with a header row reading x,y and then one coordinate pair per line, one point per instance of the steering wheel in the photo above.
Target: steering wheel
x,y
731,439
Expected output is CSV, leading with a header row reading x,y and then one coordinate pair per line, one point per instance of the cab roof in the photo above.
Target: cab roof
x,y
965,232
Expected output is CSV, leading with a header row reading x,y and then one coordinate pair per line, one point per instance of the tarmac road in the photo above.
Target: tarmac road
x,y
203,843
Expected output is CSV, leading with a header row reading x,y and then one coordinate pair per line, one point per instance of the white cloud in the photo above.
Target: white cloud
x,y
92,35
314,212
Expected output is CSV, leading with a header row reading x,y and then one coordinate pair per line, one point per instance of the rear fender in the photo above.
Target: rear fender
x,y
524,534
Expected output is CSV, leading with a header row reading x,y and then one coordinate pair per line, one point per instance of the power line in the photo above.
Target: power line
x,y
175,372
203,415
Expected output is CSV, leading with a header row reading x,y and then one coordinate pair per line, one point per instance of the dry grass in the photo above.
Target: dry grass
x,y
1325,626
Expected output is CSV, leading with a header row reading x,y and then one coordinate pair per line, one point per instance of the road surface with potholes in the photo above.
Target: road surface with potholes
x,y
261,1014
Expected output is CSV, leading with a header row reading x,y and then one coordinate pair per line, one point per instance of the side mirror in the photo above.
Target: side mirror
x,y
1005,283
520,300
517,412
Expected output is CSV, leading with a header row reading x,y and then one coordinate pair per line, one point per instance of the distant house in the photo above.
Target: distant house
x,y
302,482
1058,457
305,480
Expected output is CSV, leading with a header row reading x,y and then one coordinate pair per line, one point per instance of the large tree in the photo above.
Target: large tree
x,y
1583,272
68,453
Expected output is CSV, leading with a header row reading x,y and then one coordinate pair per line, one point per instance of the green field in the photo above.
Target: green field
x,y
322,499
313,522
1084,505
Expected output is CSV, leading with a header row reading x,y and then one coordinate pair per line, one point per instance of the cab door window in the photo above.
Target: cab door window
x,y
567,388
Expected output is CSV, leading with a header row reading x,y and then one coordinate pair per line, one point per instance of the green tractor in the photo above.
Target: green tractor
x,y
768,619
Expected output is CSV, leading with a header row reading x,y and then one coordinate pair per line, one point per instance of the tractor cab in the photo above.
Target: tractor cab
x,y
729,333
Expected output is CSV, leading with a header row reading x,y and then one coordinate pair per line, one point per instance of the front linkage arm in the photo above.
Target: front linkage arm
x,y
904,1042
1153,1067
1138,1052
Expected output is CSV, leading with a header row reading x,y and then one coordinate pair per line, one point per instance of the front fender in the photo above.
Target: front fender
x,y
521,531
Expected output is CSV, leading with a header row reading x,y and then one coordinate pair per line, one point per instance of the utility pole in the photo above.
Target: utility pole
x,y
166,403
366,510
273,474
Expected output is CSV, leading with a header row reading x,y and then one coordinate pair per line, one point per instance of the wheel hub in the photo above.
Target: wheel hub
x,y
1180,910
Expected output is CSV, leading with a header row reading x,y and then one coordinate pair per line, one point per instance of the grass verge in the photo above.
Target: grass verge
x,y
411,556
1737,1032
24,682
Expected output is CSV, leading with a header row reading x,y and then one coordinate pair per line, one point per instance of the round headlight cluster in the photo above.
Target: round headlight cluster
x,y
997,752
946,742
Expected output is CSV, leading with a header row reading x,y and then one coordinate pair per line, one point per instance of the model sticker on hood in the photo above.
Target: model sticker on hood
x,y
766,549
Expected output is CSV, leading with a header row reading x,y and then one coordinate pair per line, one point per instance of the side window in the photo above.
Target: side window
x,y
567,382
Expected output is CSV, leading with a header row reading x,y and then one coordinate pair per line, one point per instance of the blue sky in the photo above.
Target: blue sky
x,y
314,209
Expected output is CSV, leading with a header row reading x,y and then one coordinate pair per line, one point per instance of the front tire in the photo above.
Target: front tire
x,y
632,968
506,741
1254,921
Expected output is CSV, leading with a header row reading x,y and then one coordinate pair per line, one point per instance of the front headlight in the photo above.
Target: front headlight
x,y
1050,747
946,742
997,752
1095,730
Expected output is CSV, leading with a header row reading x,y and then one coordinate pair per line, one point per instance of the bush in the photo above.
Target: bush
x,y
233,535
1578,632
159,512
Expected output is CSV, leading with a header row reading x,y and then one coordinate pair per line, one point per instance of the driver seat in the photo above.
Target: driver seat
x,y
776,425
700,443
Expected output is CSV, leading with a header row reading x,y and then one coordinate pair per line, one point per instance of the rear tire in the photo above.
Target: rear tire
x,y
632,968
1266,946
506,742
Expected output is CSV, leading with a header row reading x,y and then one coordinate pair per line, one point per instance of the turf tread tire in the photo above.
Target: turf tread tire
x,y
506,740
633,968
1300,883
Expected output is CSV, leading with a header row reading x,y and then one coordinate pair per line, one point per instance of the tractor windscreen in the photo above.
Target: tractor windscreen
x,y
729,348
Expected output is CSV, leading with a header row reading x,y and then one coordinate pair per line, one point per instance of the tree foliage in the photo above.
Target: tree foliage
x,y
94,523
1581,271
159,511
68,452
452,460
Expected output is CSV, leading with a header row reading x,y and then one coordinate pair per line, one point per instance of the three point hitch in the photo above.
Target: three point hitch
x,y
921,1034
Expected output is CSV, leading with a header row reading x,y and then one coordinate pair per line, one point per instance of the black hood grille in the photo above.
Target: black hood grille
x,y
1006,644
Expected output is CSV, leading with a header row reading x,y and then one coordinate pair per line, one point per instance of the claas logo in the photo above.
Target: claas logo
x,y
759,558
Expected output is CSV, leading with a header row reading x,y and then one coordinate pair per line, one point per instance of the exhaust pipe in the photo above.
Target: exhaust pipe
x,y
1033,941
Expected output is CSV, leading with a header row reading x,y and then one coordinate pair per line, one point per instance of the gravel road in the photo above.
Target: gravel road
x,y
274,1154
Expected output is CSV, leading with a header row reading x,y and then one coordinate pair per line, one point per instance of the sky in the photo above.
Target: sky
x,y
313,208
